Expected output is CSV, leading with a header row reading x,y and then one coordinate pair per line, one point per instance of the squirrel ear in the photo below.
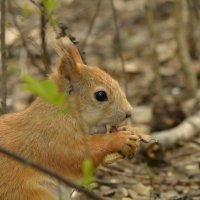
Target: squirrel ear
x,y
70,63
74,54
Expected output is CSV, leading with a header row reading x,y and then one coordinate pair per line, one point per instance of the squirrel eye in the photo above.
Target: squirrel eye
x,y
101,96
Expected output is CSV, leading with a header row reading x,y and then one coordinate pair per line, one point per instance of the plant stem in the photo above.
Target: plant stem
x,y
3,58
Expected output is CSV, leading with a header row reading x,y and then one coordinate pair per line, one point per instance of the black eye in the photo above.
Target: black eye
x,y
101,96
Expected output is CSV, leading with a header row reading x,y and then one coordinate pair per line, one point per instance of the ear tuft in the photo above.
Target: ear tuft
x,y
75,55
69,67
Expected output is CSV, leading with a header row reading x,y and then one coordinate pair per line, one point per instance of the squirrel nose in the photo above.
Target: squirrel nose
x,y
128,115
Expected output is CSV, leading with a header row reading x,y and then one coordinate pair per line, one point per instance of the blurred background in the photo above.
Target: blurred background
x,y
152,47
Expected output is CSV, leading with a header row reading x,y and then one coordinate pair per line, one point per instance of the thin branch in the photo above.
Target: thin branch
x,y
118,44
193,35
3,58
195,7
51,173
62,31
91,25
183,52
23,38
43,22
37,4
46,60
152,44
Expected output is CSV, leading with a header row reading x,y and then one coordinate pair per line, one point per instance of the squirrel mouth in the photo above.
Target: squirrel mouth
x,y
113,129
103,129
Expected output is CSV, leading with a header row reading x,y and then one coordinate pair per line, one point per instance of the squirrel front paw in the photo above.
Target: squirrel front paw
x,y
125,143
136,131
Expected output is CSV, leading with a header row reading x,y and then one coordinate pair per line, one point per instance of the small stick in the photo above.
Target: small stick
x,y
118,43
24,42
183,52
43,22
152,44
91,24
3,58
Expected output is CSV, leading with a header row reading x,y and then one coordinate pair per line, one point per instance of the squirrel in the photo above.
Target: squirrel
x,y
61,141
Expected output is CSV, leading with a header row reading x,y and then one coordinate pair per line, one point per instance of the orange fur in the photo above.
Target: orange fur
x,y
61,141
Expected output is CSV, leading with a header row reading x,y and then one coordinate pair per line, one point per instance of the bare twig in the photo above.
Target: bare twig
x,y
118,44
195,7
152,44
43,22
40,6
62,32
3,58
51,173
34,63
91,25
59,34
193,35
184,58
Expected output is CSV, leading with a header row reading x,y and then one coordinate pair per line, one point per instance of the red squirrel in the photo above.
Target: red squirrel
x,y
62,141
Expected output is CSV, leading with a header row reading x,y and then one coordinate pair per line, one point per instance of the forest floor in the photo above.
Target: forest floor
x,y
174,174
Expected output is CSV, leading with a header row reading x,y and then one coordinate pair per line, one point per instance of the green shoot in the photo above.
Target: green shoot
x,y
88,169
50,5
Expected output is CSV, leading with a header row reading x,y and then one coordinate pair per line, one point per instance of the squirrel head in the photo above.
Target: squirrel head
x,y
94,96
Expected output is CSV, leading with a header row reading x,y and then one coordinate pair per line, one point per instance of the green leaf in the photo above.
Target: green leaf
x,y
88,169
53,21
46,89
50,5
